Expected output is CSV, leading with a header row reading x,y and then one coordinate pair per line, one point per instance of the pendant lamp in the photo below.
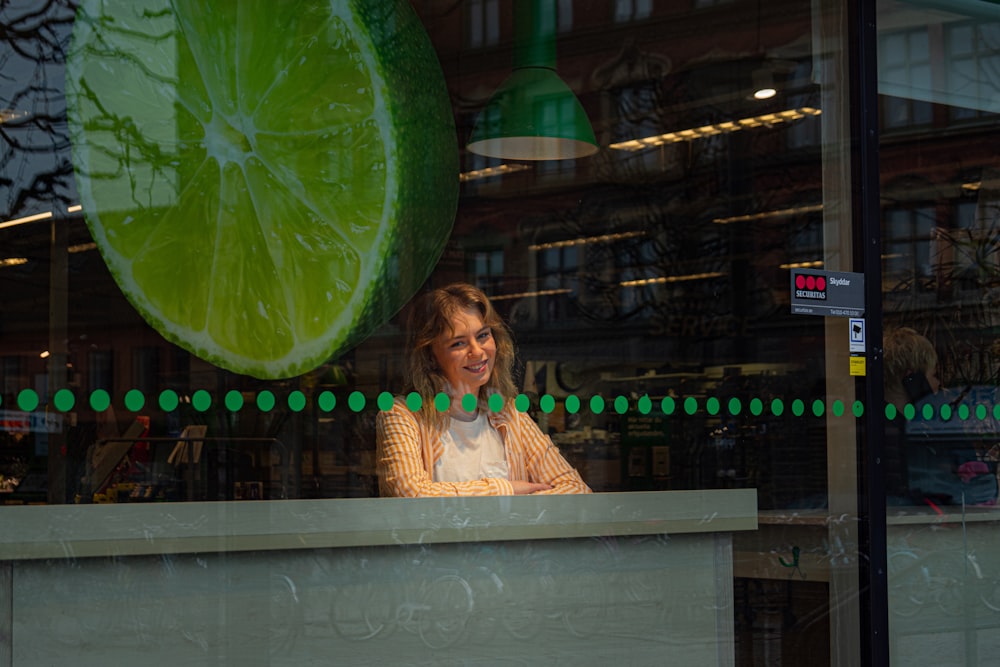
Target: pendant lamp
x,y
533,115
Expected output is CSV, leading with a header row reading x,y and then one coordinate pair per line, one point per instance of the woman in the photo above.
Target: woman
x,y
457,344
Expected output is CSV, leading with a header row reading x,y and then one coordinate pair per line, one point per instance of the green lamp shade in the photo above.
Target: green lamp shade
x,y
533,115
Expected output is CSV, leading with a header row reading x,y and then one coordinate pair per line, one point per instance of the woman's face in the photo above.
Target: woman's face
x,y
466,352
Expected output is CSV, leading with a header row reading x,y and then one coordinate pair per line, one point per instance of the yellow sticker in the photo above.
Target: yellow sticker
x,y
857,365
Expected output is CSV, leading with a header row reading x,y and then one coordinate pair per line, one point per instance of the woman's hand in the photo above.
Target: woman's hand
x,y
522,488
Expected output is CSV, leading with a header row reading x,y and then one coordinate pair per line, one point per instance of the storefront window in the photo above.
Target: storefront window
x,y
213,219
939,213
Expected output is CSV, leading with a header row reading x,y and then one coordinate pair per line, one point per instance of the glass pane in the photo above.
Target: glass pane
x,y
941,427
216,228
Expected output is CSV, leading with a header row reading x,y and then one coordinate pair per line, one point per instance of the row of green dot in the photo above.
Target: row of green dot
x,y
64,400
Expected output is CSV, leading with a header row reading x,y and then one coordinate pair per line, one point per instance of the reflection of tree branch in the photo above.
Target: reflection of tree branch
x,y
35,34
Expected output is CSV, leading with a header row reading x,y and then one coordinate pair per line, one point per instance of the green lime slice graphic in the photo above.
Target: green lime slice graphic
x,y
268,182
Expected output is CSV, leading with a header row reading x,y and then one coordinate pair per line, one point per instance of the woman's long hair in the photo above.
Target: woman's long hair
x,y
429,317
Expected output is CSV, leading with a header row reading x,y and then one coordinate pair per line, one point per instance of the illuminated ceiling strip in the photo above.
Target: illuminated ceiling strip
x,y
75,208
802,265
7,115
779,213
521,295
27,218
671,279
764,120
13,261
603,238
489,172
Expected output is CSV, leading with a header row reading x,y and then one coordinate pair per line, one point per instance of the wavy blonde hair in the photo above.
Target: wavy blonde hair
x,y
906,351
429,318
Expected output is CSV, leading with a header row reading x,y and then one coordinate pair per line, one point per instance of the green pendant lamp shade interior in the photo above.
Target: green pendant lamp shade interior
x,y
533,115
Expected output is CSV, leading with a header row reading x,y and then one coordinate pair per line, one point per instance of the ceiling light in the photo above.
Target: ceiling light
x,y
778,213
671,279
521,295
27,218
603,238
763,84
489,172
764,120
533,115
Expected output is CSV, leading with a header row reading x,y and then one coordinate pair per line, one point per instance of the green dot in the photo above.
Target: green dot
x,y
818,408
890,411
798,407
735,406
668,405
777,407
27,400
980,412
645,405
756,407
469,402
690,405
233,400
168,400
838,408
621,405
442,402
384,401
712,406
572,404
996,411
927,411
266,401
297,401
64,400
909,411
201,400
326,401
597,404
356,401
858,409
547,403
522,403
945,412
99,400
134,400
495,403
414,401
963,412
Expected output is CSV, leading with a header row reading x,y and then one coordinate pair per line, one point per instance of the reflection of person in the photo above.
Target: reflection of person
x,y
457,344
910,367
928,461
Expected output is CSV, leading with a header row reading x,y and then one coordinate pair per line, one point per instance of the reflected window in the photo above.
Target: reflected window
x,y
486,267
483,23
904,58
632,10
907,261
101,371
970,51
564,12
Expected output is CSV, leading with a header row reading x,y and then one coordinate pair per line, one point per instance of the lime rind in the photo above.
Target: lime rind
x,y
325,257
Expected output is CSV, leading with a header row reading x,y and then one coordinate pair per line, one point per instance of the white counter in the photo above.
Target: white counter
x,y
61,531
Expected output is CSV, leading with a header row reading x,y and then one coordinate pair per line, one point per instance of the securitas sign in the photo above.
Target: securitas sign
x,y
828,293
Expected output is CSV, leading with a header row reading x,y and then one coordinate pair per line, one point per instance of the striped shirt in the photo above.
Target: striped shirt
x,y
408,449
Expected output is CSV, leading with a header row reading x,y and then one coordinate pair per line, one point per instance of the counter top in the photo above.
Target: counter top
x,y
78,531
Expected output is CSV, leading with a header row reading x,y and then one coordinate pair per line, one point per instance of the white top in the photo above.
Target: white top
x,y
472,450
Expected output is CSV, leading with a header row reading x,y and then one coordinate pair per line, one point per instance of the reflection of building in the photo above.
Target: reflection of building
x,y
657,268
